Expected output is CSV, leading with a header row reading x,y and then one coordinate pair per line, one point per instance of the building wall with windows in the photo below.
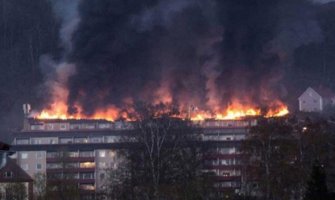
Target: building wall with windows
x,y
15,183
85,150
224,158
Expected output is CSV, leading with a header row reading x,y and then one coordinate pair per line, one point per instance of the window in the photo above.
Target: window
x,y
87,186
25,167
71,165
104,125
52,155
113,165
232,150
37,127
102,154
72,154
36,141
88,126
87,165
38,166
112,154
8,174
80,140
224,162
111,139
102,164
22,141
63,126
54,165
65,140
39,155
102,176
53,141
225,174
24,155
96,139
86,154
70,175
50,127
86,175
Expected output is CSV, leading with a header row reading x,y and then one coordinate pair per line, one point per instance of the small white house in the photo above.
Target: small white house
x,y
315,100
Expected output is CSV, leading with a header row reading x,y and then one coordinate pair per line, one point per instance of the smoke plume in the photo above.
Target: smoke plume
x,y
208,54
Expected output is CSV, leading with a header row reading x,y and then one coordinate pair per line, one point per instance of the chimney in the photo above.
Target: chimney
x,y
26,112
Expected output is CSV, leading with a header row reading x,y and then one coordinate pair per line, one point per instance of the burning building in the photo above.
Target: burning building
x,y
81,150
201,66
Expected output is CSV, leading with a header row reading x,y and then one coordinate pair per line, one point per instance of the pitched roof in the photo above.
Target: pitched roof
x,y
321,91
18,174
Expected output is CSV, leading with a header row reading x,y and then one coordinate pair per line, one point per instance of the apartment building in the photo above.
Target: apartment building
x,y
82,150
224,158
78,150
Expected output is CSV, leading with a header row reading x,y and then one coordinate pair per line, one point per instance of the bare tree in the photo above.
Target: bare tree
x,y
16,191
271,152
40,186
62,186
165,156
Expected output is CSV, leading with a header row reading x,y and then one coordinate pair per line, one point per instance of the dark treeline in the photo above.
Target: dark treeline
x,y
282,156
28,29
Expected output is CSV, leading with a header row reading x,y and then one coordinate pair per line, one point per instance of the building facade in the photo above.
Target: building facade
x,y
83,150
312,100
224,158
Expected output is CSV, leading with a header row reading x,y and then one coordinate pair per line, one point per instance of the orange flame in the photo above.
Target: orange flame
x,y
237,111
59,111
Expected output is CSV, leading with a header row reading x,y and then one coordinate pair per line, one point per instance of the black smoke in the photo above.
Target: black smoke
x,y
124,49
199,51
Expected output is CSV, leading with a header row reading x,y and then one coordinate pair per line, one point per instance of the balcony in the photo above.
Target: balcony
x,y
70,159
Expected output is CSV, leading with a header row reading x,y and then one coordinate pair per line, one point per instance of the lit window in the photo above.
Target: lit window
x,y
112,154
102,154
87,164
24,155
87,186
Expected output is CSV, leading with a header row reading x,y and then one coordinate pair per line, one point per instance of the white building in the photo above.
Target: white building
x,y
316,100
